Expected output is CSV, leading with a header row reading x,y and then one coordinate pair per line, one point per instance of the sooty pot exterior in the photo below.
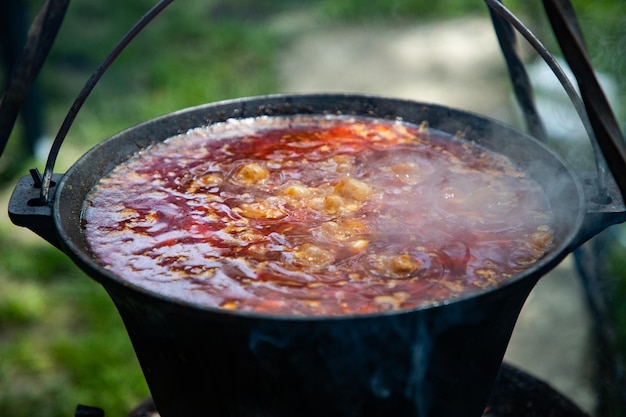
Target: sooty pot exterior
x,y
439,361
433,361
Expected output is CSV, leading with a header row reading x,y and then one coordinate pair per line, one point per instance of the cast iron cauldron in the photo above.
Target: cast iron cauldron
x,y
439,360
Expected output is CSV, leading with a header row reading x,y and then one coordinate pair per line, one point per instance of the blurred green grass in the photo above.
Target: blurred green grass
x,y
61,340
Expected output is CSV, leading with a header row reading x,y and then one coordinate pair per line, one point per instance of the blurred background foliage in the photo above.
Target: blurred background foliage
x,y
61,340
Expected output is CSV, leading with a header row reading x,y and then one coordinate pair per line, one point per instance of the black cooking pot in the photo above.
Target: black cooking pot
x,y
438,360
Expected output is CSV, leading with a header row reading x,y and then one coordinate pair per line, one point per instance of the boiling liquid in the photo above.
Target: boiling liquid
x,y
317,216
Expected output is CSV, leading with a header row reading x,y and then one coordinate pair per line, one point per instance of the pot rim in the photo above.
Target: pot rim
x,y
105,277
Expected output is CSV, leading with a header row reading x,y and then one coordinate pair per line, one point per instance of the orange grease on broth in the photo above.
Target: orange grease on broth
x,y
312,215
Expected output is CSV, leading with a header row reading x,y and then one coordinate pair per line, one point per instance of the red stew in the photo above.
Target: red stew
x,y
312,215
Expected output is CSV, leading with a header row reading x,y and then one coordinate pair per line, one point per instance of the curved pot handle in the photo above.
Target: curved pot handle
x,y
30,205
86,90
593,109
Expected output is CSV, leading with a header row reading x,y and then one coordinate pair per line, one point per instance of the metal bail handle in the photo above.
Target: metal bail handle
x,y
593,109
84,93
